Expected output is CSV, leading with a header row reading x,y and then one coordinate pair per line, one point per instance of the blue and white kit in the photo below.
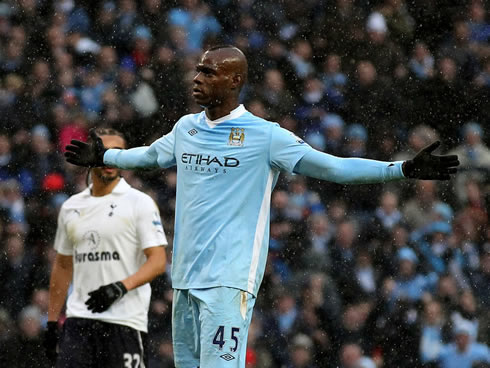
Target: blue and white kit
x,y
226,171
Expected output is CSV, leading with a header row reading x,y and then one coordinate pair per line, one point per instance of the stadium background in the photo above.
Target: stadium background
x,y
394,270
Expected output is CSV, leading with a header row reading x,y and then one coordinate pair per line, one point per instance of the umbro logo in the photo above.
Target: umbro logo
x,y
227,357
192,132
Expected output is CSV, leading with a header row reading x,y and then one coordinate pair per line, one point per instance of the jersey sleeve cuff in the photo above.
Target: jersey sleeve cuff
x,y
398,171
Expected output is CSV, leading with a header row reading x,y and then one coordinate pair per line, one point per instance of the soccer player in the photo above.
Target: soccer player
x,y
109,244
228,162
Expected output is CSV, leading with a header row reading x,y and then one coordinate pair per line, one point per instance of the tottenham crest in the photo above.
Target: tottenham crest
x,y
237,136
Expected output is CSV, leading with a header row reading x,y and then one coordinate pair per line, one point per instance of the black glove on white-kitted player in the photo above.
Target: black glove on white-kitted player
x,y
101,299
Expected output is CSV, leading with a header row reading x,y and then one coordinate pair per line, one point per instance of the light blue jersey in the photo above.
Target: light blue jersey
x,y
226,170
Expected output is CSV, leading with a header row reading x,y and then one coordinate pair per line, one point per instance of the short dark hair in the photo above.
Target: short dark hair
x,y
100,131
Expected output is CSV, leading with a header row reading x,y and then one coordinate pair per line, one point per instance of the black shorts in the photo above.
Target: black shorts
x,y
88,343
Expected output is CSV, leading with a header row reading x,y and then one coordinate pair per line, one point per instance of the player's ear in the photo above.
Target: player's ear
x,y
237,81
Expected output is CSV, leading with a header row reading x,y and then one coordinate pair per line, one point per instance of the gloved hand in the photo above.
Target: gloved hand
x,y
89,154
101,299
50,342
427,166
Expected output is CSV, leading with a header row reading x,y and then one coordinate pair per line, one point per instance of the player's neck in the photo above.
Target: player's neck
x,y
216,112
101,188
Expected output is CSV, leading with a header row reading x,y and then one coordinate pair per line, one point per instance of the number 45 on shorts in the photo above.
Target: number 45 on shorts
x,y
219,338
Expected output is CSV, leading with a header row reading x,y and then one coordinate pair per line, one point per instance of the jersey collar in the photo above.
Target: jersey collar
x,y
236,113
120,188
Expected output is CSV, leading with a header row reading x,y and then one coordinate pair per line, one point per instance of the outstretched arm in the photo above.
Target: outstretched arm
x,y
133,158
323,166
94,154
424,166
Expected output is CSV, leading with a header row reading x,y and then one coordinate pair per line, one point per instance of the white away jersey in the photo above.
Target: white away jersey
x,y
106,236
226,170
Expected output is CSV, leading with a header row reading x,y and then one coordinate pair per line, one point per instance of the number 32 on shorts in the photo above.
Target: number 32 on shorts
x,y
131,360
219,338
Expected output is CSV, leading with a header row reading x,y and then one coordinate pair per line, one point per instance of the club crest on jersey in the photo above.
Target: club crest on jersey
x,y
237,136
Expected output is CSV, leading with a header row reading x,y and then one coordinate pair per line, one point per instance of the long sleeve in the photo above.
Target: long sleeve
x,y
140,157
323,166
159,154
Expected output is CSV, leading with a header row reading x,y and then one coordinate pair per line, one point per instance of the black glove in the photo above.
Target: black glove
x,y
50,342
427,166
101,299
86,154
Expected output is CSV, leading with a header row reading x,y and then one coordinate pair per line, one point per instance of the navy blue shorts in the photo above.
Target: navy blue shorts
x,y
89,343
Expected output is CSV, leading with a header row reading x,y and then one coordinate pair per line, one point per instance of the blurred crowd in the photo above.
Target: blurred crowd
x,y
394,275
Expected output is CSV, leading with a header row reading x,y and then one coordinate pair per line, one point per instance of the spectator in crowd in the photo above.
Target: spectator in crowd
x,y
30,352
366,96
300,59
410,285
399,21
351,357
482,79
418,137
278,100
45,160
197,21
332,77
356,141
135,91
302,201
417,211
479,280
388,214
342,251
342,23
478,24
8,346
319,234
313,105
421,63
379,48
458,48
301,353
442,97
466,312
474,152
433,331
367,277
332,126
463,352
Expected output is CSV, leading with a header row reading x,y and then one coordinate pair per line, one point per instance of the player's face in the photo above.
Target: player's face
x,y
212,83
108,174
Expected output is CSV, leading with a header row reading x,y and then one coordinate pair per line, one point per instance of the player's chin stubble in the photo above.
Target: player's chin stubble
x,y
107,179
